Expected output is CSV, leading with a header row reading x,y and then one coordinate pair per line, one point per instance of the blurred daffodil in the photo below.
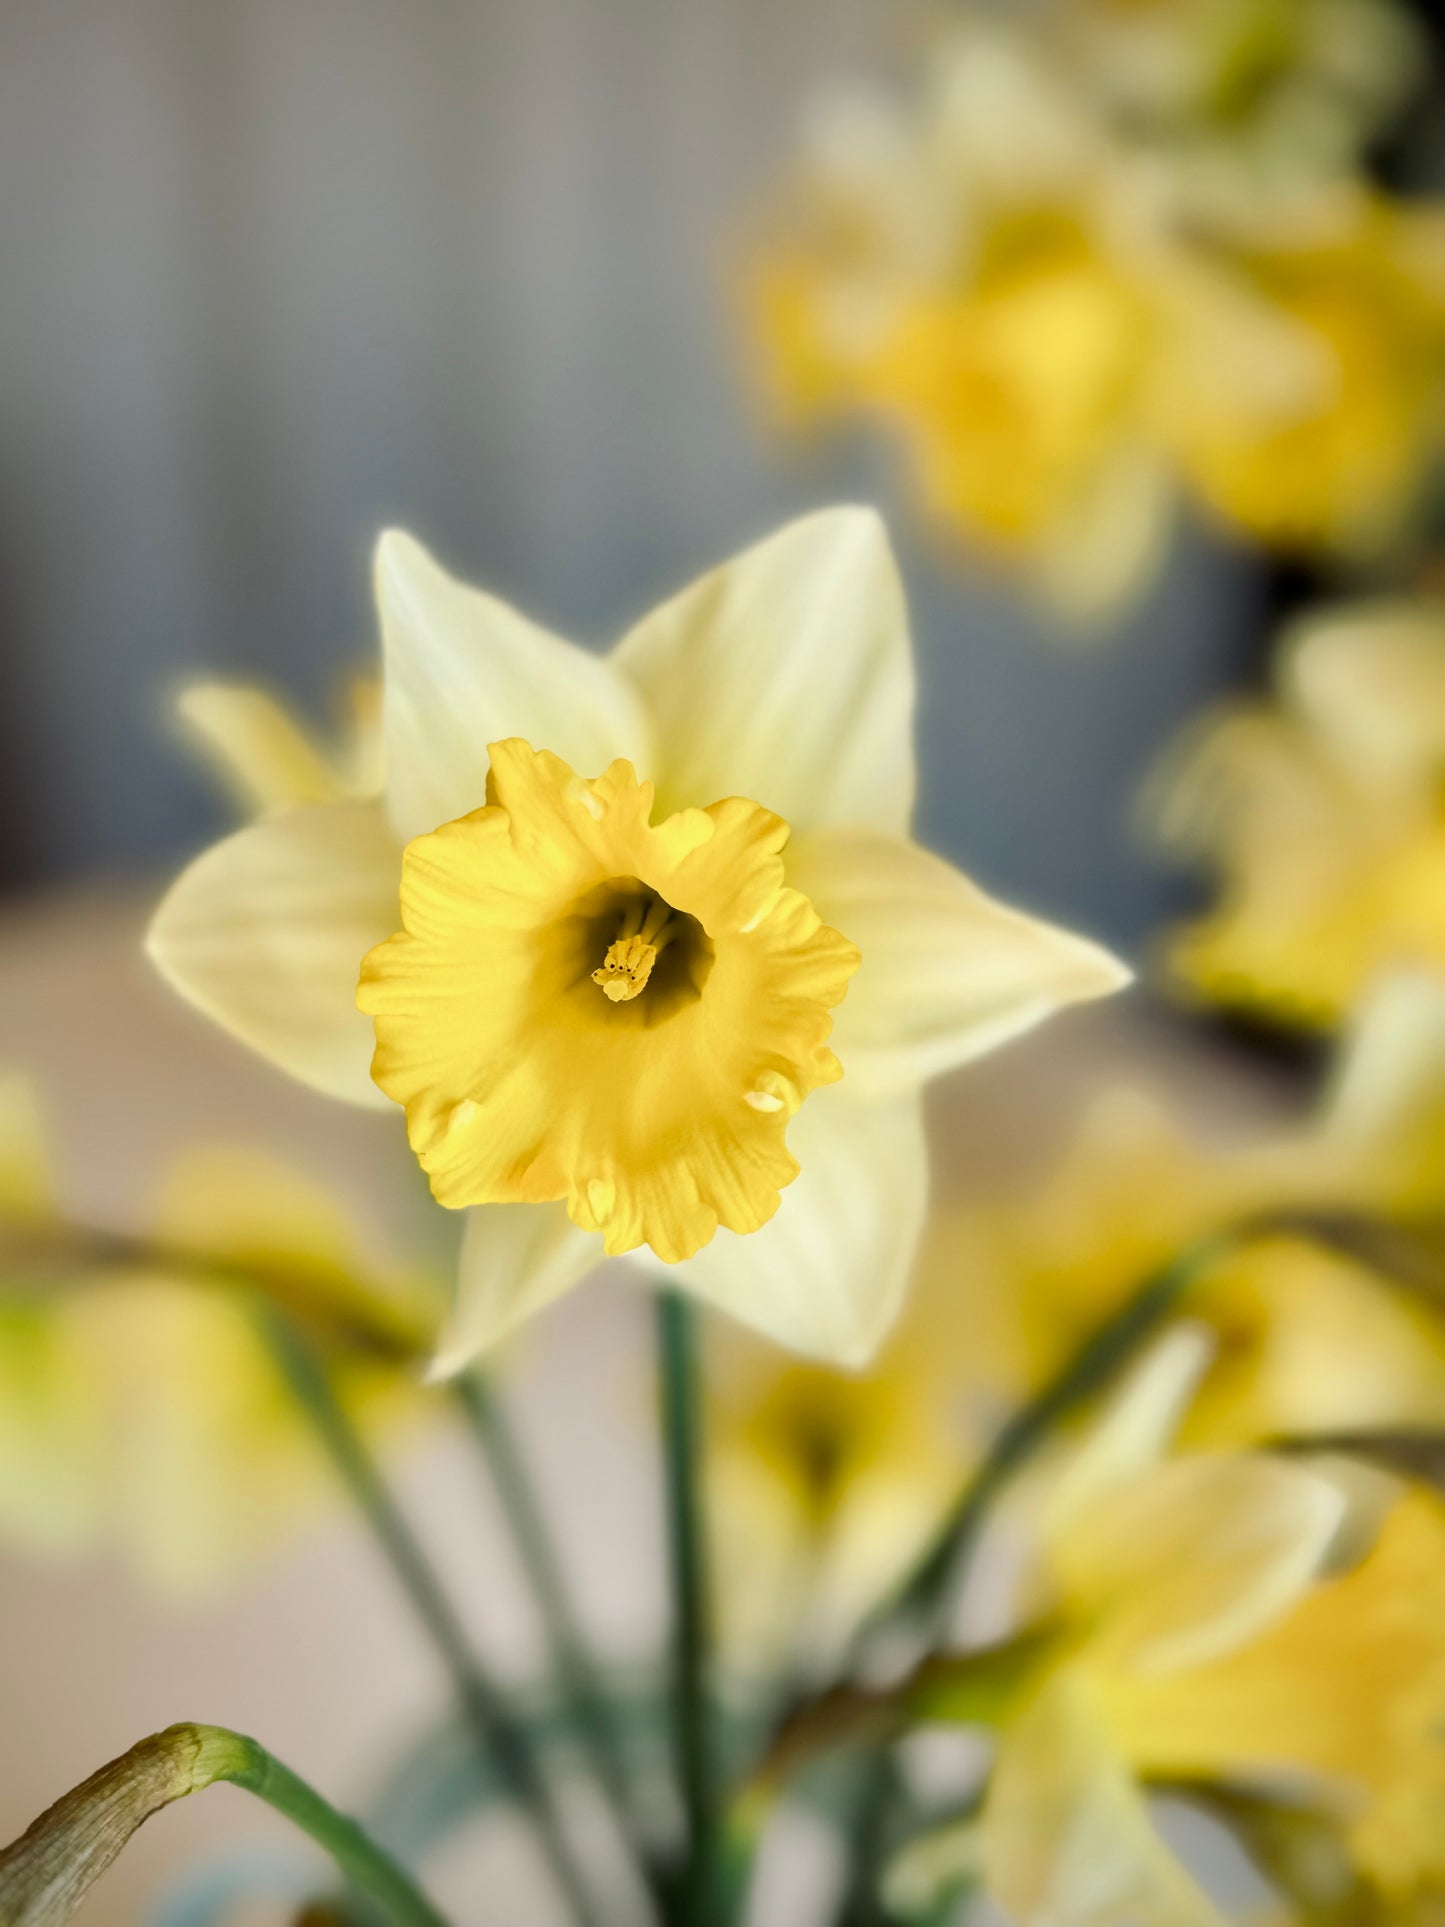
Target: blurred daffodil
x,y
140,1406
1337,458
1150,1569
976,276
825,1486
1109,253
1309,1339
1322,813
1192,1628
616,976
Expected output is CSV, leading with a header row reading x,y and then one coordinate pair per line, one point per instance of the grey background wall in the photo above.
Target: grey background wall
x,y
277,272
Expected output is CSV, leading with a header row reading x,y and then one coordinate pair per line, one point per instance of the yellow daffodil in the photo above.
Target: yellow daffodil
x,y
974,275
1310,1340
1151,1571
1109,251
616,971
824,1486
1191,1624
1322,813
139,1405
1338,458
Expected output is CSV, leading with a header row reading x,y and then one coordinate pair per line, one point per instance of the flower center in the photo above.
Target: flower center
x,y
643,935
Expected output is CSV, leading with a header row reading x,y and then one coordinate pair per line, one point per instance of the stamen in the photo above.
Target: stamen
x,y
626,969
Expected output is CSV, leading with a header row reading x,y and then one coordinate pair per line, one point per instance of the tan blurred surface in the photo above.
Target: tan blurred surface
x,y
315,1655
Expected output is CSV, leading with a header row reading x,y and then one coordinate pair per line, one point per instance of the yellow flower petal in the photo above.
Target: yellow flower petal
x,y
658,1118
265,933
1351,1685
787,674
1067,1838
1195,1559
827,1274
516,1259
464,670
265,760
948,973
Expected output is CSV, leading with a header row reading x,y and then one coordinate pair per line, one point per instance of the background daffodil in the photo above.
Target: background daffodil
x,y
1321,812
1310,1339
783,678
140,1405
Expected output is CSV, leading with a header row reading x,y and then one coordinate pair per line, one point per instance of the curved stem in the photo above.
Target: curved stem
x,y
47,1871
502,1739
692,1734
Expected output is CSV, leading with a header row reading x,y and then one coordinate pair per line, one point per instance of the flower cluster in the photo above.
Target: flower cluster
x,y
1112,252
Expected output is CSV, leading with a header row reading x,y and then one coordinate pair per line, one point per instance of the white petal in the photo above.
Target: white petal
x,y
826,1276
464,670
265,932
1068,1841
1197,1558
786,676
516,1259
1135,1429
261,755
947,972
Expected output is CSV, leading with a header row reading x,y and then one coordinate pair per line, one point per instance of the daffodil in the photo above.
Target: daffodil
x,y
971,272
1310,1339
139,1405
1337,459
1105,254
825,1486
1191,1625
1149,1569
1321,812
617,917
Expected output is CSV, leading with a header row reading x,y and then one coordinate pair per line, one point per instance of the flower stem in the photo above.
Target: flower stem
x,y
502,1739
692,1736
357,1855
48,1870
487,1418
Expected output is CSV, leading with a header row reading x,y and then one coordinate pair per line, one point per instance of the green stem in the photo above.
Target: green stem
x,y
486,1415
47,1871
503,1741
359,1858
692,1736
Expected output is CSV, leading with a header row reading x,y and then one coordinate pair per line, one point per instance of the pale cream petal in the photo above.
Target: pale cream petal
x,y
1067,1837
264,760
1134,1431
516,1259
1387,1101
1196,1559
786,676
464,670
266,930
947,973
827,1274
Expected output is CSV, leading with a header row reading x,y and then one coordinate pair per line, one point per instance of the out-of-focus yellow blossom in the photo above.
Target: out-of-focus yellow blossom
x,y
1069,300
1336,459
1309,1339
824,1486
785,676
1195,1630
139,1405
1150,1570
978,276
1350,1686
1323,813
